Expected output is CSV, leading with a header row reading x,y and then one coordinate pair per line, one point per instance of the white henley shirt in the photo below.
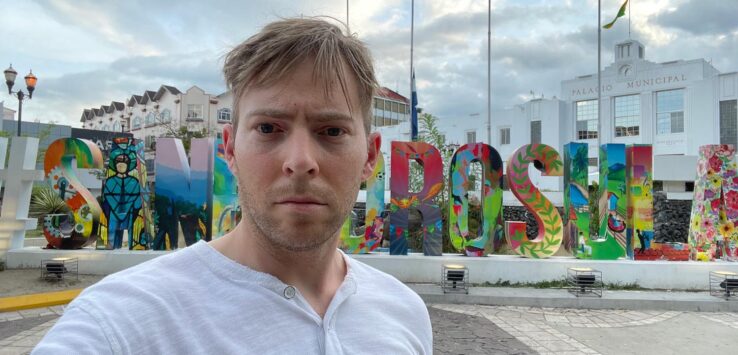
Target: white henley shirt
x,y
198,301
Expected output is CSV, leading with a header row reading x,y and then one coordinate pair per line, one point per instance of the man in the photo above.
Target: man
x,y
300,147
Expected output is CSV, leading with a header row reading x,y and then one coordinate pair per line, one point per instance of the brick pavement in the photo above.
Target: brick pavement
x,y
475,329
460,333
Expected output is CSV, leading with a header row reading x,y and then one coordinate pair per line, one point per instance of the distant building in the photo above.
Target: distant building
x,y
676,106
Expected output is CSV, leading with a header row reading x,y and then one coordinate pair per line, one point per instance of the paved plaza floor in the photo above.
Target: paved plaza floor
x,y
475,329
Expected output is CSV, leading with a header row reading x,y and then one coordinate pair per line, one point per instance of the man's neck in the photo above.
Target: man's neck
x,y
317,273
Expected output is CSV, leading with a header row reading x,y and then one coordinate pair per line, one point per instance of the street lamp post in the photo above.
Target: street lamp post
x,y
31,80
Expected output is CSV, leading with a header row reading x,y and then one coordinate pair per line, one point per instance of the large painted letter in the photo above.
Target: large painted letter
x,y
550,227
18,178
125,197
458,212
402,199
609,244
712,232
61,175
373,221
226,209
576,195
639,237
183,191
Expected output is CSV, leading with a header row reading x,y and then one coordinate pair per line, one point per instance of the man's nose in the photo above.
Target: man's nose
x,y
300,154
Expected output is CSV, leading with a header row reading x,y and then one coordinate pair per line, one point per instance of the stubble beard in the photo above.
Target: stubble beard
x,y
307,234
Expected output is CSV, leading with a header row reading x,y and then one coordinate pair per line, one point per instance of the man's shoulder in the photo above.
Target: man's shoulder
x,y
374,280
145,282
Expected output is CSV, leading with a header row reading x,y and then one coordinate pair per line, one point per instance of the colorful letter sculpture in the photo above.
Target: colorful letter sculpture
x,y
18,180
373,221
639,225
183,192
403,200
609,243
125,196
576,196
226,210
550,226
458,213
60,173
712,233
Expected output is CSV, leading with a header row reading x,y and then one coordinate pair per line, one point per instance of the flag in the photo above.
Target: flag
x,y
414,115
620,14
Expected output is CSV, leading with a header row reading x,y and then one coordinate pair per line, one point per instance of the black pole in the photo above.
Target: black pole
x,y
20,110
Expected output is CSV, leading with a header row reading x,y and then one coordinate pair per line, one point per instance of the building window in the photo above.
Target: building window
x,y
224,115
150,119
535,132
194,112
165,116
729,122
117,126
471,137
627,115
504,136
535,110
105,127
587,119
670,111
137,122
150,142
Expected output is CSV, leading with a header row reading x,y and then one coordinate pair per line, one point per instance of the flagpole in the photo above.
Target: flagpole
x,y
599,78
629,19
413,121
489,72
347,17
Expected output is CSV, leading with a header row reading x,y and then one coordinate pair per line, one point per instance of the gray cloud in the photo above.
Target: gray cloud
x,y
702,17
534,47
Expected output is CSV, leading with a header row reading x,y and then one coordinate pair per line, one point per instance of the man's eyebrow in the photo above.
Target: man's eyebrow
x,y
326,116
269,112
330,116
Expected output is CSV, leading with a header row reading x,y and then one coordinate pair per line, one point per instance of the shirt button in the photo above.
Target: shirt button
x,y
289,292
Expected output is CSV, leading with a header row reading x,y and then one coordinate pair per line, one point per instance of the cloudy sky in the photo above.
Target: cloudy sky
x,y
87,52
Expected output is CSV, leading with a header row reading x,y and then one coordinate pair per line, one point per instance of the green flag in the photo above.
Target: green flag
x,y
620,14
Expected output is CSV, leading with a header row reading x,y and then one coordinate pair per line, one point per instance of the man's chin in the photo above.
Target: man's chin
x,y
302,238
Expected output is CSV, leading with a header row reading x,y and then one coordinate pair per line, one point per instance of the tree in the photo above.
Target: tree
x,y
44,133
186,136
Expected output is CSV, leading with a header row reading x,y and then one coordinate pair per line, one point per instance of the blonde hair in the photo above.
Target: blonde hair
x,y
274,52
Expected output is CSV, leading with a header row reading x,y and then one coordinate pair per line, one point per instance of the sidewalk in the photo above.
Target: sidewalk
x,y
561,298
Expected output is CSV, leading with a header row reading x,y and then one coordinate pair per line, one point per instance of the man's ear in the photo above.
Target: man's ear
x,y
373,143
229,145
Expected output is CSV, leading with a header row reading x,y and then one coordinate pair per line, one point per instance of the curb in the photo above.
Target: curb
x,y
559,298
38,300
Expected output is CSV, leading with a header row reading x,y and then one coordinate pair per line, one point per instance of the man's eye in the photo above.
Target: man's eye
x,y
266,128
333,132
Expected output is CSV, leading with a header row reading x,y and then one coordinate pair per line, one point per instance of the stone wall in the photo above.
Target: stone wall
x,y
670,219
519,213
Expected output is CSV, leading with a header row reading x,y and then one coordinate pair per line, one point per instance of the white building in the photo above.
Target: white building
x,y
676,106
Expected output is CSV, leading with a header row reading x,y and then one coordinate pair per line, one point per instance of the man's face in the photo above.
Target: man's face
x,y
299,157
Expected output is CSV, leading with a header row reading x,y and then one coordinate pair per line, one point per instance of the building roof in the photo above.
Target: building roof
x,y
135,99
97,111
148,95
166,88
86,114
117,106
386,93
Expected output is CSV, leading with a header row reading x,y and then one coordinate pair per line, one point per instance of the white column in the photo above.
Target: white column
x,y
18,178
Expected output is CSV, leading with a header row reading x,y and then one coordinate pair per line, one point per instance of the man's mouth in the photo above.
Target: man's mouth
x,y
300,200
